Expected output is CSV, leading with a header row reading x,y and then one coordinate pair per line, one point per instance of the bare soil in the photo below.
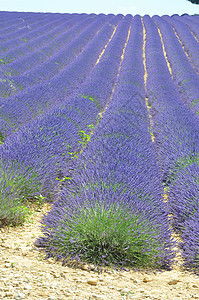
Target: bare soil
x,y
25,274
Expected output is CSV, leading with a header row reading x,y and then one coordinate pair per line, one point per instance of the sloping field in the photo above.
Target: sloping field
x,y
99,114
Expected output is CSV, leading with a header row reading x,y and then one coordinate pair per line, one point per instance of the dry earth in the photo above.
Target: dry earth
x,y
25,274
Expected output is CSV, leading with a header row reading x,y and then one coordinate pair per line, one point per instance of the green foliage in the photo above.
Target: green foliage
x,y
91,126
182,163
85,137
24,40
18,185
4,62
111,185
8,73
4,49
151,132
185,80
194,102
39,200
186,161
1,138
16,180
64,178
94,100
110,236
73,154
20,87
194,1
12,211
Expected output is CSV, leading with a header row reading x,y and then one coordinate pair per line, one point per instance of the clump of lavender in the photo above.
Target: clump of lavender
x,y
190,247
12,211
102,233
17,185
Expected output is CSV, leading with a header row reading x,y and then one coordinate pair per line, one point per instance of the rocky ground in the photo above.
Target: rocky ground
x,y
25,274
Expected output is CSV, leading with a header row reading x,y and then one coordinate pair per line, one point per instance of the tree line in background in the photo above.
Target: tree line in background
x,y
194,1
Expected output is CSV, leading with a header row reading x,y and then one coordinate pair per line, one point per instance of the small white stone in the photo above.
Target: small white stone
x,y
135,280
19,296
101,278
85,267
92,267
125,290
173,281
28,287
7,265
111,286
70,291
95,296
15,283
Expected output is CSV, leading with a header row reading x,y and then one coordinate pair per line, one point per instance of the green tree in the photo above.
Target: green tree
x,y
194,1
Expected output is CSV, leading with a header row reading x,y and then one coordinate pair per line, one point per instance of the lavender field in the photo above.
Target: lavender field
x,y
99,115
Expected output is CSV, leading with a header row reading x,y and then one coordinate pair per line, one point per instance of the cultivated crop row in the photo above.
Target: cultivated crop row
x,y
185,76
176,131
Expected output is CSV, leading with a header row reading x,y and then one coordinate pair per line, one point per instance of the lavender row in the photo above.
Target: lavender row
x,y
18,47
176,132
118,168
55,57
177,135
187,39
19,23
193,18
26,32
15,25
7,21
36,100
193,26
185,77
31,25
60,37
21,33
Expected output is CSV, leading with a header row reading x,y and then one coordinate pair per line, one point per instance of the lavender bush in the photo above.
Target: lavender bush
x,y
110,210
18,184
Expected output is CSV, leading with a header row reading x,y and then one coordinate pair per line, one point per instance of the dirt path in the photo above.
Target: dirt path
x,y
25,274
